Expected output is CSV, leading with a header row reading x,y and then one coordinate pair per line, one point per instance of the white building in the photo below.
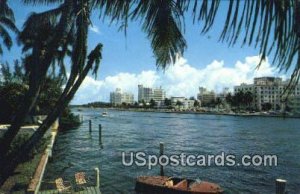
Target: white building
x,y
269,90
158,94
185,103
146,94
118,97
206,96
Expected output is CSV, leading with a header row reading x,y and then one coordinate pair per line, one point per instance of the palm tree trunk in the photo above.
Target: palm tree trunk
x,y
63,102
37,76
29,102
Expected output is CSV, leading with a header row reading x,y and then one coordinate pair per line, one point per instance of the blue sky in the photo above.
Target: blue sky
x,y
128,61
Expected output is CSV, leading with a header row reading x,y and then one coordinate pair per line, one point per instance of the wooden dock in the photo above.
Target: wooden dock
x,y
87,190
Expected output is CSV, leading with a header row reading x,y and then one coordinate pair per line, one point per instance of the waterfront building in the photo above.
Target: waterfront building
x,y
118,97
205,96
146,94
269,90
184,103
158,94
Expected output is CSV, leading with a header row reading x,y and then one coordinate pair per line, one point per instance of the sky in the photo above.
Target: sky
x,y
128,60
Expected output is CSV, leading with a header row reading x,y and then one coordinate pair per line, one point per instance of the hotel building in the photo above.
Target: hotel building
x,y
118,97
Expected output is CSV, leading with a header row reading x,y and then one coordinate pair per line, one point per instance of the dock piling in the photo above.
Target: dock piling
x,y
280,186
161,152
97,172
90,126
100,133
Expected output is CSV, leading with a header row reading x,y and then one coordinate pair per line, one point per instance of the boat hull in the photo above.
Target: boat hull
x,y
157,185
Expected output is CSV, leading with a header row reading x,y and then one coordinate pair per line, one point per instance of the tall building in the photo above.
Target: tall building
x,y
118,97
206,96
269,90
146,94
158,94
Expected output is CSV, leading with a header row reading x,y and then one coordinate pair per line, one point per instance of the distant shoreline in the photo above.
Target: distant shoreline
x,y
258,114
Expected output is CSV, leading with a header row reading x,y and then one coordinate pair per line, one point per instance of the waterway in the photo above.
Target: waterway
x,y
196,134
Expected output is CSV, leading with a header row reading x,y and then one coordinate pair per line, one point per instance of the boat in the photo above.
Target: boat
x,y
105,114
171,185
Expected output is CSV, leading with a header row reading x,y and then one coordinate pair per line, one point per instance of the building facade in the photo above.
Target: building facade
x,y
146,94
205,96
118,97
269,90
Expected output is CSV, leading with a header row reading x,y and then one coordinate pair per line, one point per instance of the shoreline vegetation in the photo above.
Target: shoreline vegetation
x,y
202,111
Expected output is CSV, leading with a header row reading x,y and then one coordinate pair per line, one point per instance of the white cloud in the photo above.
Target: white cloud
x,y
95,29
181,79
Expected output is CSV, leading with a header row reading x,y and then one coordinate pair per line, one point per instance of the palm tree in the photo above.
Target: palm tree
x,y
248,98
7,21
163,22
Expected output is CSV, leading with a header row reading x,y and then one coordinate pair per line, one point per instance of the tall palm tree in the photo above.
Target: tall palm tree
x,y
163,22
7,22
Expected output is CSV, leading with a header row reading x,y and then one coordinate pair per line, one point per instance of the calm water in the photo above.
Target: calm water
x,y
77,150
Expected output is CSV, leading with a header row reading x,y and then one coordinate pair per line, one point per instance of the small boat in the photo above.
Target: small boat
x,y
171,185
105,114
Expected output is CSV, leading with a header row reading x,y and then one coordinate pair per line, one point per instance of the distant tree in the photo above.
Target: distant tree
x,y
168,102
179,103
196,103
229,99
218,102
152,103
266,106
248,98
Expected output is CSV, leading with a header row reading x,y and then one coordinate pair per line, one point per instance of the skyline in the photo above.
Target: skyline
x,y
129,59
182,79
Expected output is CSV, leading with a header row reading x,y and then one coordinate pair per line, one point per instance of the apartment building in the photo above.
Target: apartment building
x,y
269,90
146,94
118,97
205,96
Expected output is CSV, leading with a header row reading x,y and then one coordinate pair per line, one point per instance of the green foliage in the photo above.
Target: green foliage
x,y
240,99
12,91
11,95
196,103
68,120
168,102
266,106
7,21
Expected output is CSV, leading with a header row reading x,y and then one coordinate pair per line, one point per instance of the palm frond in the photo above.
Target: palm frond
x,y
6,11
273,26
115,9
96,56
45,2
162,21
9,24
6,37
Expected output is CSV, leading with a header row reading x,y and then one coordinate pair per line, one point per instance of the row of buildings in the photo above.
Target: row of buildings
x,y
263,89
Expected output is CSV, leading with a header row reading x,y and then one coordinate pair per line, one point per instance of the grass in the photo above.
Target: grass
x,y
18,182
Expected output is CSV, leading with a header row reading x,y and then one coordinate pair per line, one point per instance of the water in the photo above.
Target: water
x,y
77,150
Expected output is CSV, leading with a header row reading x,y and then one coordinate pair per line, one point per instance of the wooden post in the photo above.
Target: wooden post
x,y
280,186
90,125
161,152
97,173
100,134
